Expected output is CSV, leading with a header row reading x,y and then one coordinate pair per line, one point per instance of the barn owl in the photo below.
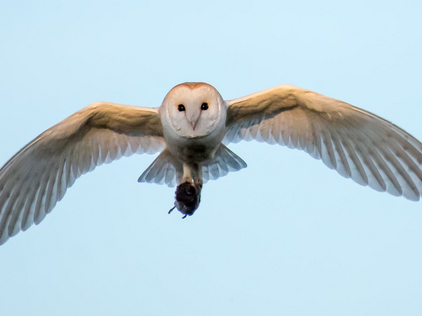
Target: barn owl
x,y
191,129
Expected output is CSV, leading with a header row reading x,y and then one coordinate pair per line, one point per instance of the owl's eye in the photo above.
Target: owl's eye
x,y
204,106
181,107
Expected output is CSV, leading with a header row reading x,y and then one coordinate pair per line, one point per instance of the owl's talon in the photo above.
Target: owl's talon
x,y
184,216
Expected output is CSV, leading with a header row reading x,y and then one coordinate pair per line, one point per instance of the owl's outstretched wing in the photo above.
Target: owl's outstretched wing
x,y
33,180
356,143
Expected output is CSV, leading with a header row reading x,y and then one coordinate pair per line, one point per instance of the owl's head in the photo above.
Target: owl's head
x,y
193,109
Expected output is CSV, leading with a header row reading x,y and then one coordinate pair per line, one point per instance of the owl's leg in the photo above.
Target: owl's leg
x,y
192,173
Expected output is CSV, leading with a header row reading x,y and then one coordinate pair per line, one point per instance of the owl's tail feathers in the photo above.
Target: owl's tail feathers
x,y
165,169
224,161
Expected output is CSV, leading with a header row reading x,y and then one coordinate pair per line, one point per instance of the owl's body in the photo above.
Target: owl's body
x,y
194,140
189,129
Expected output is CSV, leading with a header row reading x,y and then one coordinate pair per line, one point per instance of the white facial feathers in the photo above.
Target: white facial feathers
x,y
193,109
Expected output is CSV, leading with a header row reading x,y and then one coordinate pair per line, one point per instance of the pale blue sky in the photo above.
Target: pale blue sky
x,y
286,236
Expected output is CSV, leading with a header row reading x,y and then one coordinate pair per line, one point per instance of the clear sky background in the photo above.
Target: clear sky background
x,y
286,236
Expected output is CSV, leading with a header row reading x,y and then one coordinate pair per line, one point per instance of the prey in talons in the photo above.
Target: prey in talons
x,y
188,197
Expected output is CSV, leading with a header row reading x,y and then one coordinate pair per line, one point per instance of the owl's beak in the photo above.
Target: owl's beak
x,y
194,124
193,119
